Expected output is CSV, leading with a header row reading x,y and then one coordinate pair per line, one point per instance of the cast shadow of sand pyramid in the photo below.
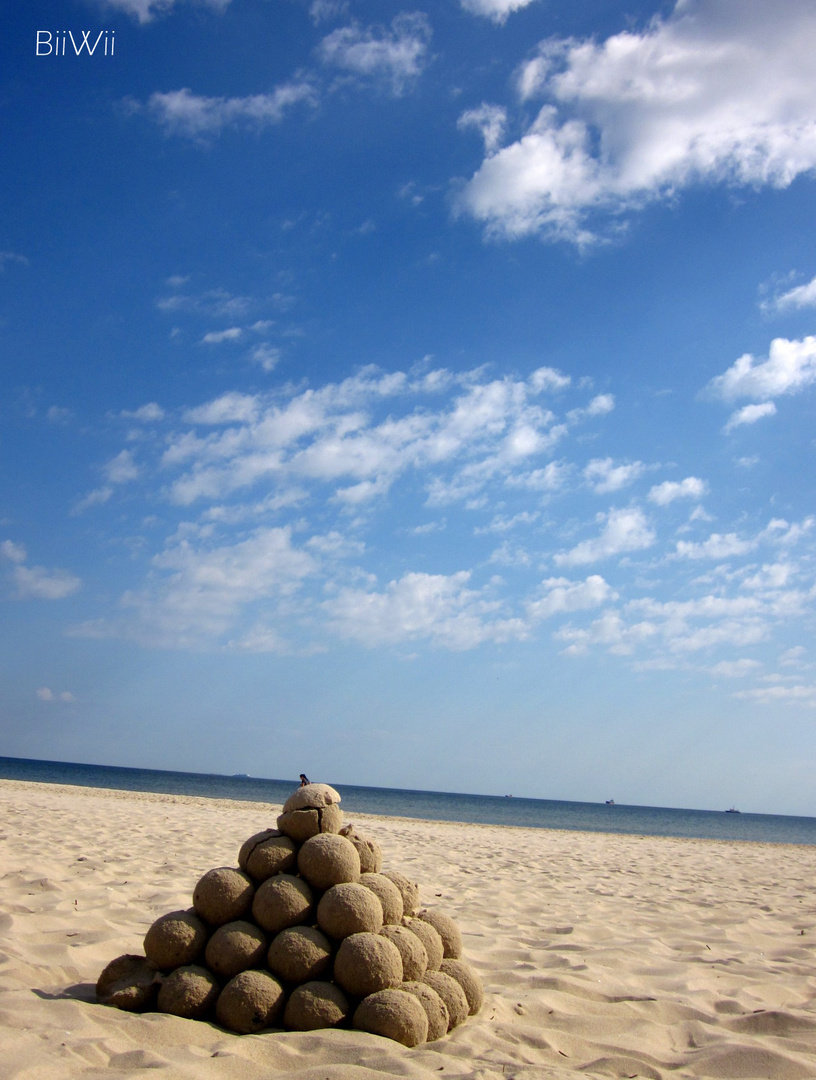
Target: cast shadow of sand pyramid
x,y
307,932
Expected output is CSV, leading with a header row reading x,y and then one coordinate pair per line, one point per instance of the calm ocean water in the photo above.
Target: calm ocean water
x,y
435,805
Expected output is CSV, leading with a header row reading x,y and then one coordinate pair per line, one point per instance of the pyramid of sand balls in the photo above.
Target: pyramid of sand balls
x,y
307,932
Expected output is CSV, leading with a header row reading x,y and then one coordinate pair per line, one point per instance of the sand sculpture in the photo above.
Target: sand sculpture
x,y
307,932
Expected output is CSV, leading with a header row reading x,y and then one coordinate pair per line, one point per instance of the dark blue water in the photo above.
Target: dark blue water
x,y
434,805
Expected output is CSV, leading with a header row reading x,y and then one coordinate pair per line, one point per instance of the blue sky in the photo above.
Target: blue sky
x,y
413,395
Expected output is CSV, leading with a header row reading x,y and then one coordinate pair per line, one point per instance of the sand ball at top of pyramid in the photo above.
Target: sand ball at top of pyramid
x,y
311,809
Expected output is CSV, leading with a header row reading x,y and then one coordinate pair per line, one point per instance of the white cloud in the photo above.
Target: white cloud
x,y
717,93
146,414
717,546
562,595
799,694
789,368
624,531
228,409
146,10
801,296
489,121
437,607
266,356
749,414
181,112
496,10
121,469
396,55
735,669
199,592
217,337
45,694
36,582
603,475
690,488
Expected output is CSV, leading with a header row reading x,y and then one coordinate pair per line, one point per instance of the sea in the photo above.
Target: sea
x,y
435,805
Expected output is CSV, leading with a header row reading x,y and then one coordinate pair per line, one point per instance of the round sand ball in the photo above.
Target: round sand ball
x,y
408,890
394,1015
327,860
299,954
175,939
447,930
222,895
129,982
235,947
369,850
311,796
411,949
272,853
366,963
188,991
389,895
349,908
315,1005
250,1002
252,842
300,825
430,939
468,980
451,993
435,1008
282,901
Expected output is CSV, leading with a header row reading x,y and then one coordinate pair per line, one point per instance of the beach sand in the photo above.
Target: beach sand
x,y
601,955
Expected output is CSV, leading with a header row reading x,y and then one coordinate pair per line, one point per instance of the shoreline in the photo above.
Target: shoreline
x,y
602,954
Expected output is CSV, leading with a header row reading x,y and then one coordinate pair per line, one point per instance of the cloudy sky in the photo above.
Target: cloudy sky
x,y
414,395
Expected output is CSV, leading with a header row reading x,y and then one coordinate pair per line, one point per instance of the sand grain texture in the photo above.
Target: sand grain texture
x,y
601,955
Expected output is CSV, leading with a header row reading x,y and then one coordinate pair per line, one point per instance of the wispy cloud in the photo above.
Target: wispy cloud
x,y
394,55
37,582
194,116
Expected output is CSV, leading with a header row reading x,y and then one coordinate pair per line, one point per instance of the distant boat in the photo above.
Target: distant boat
x,y
610,802
240,776
732,810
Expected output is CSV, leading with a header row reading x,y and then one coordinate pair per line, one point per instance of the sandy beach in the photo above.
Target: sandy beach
x,y
601,955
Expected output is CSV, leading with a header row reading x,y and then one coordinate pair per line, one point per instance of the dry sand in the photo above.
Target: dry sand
x,y
602,955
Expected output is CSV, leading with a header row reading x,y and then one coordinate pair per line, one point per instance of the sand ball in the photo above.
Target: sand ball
x,y
369,850
267,853
234,947
328,859
394,1015
468,979
282,901
222,895
299,954
366,963
252,842
175,939
451,993
250,1002
310,810
435,1008
408,890
430,938
411,949
349,908
129,982
301,824
389,895
315,1005
447,929
188,991
311,796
